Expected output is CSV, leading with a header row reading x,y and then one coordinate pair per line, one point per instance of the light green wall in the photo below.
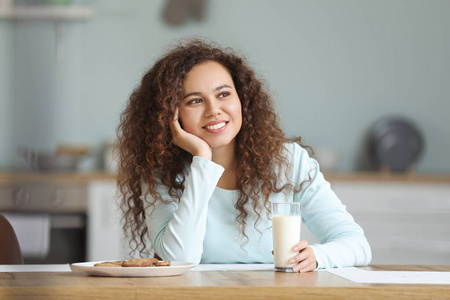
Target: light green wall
x,y
6,91
335,67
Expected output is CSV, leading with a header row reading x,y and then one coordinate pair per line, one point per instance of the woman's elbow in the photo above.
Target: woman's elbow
x,y
365,255
181,256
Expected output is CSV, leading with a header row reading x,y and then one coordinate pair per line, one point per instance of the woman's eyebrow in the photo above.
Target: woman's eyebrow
x,y
192,94
223,86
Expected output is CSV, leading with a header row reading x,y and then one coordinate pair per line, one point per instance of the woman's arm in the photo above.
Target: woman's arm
x,y
342,240
177,230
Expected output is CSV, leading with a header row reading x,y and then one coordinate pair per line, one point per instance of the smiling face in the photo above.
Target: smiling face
x,y
210,107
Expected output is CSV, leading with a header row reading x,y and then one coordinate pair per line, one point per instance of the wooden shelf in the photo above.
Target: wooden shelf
x,y
17,178
48,12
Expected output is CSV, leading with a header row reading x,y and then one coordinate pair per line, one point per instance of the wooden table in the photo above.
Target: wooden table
x,y
215,285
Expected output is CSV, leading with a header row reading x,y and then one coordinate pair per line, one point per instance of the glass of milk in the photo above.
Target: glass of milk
x,y
286,223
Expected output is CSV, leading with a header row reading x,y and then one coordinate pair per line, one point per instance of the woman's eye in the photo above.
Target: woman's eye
x,y
224,94
194,101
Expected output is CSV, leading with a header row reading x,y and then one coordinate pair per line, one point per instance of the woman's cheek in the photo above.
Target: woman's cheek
x,y
187,126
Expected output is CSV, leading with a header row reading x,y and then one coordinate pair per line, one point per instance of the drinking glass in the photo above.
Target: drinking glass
x,y
286,224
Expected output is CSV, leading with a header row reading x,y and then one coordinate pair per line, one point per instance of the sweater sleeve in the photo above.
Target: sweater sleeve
x,y
342,240
177,230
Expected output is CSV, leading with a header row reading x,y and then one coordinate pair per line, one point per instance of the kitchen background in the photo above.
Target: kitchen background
x,y
334,67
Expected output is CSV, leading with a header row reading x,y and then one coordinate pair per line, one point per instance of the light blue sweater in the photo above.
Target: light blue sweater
x,y
201,228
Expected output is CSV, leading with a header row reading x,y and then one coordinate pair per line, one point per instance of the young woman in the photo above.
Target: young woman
x,y
202,157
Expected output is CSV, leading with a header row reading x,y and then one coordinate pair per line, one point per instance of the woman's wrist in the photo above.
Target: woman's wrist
x,y
204,153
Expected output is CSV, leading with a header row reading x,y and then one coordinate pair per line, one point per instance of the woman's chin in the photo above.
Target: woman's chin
x,y
221,144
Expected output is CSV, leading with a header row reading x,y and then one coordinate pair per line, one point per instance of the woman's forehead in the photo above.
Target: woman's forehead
x,y
206,75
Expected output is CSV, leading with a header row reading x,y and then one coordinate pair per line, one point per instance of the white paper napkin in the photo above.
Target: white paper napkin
x,y
393,277
33,233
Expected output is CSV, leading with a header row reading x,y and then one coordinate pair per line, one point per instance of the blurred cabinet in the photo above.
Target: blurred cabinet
x,y
105,237
44,198
48,216
404,222
58,13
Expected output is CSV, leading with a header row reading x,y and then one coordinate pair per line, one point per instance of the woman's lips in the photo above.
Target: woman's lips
x,y
217,127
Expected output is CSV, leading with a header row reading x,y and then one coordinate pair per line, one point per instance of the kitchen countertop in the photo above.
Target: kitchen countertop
x,y
13,178
217,284
388,177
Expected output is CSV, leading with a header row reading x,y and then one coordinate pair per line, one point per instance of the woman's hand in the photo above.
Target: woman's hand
x,y
305,260
189,142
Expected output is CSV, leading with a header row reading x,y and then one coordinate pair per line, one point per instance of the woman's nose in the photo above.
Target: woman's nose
x,y
213,108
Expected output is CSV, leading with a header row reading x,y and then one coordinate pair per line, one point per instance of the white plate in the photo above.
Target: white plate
x,y
176,268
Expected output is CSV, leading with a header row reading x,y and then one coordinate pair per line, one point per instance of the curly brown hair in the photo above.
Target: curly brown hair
x,y
145,141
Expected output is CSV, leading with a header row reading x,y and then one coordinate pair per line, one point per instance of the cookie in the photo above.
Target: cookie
x,y
109,264
140,262
165,263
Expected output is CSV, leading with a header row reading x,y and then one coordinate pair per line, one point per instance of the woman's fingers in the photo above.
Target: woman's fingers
x,y
303,254
180,137
305,266
187,141
305,259
300,245
176,127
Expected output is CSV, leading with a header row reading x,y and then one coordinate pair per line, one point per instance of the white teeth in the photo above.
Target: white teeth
x,y
216,126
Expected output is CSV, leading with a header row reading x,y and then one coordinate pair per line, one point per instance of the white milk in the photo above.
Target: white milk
x,y
286,233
